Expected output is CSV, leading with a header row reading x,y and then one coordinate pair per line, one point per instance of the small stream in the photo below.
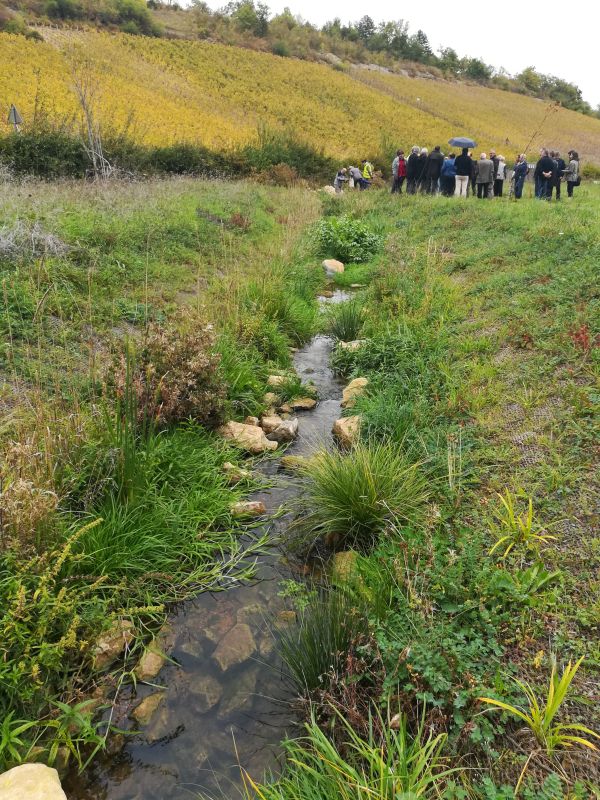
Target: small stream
x,y
213,720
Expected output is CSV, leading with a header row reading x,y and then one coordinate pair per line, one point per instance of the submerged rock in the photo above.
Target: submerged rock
x,y
151,663
112,643
145,710
250,612
299,404
239,695
217,624
31,782
286,431
248,508
206,692
285,618
347,430
247,437
235,647
354,389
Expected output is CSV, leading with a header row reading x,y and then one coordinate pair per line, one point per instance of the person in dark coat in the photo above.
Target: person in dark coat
x,y
413,171
521,169
473,175
560,168
433,169
448,176
464,167
544,175
423,158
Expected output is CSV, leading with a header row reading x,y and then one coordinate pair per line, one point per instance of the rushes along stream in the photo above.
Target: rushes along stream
x,y
223,701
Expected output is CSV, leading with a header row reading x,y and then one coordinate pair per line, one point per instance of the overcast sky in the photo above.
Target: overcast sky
x,y
557,38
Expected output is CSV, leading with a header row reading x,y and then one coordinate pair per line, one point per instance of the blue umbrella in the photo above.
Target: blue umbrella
x,y
462,141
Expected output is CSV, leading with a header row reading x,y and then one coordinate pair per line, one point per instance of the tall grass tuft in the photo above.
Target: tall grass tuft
x,y
345,320
352,498
319,644
387,763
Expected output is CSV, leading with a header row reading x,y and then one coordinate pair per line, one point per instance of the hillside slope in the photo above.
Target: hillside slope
x,y
164,91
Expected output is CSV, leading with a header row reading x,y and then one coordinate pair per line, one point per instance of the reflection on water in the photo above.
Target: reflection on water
x,y
226,700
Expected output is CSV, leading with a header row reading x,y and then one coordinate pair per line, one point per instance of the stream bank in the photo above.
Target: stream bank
x,y
223,699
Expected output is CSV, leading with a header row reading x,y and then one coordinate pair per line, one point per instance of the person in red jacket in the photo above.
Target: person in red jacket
x,y
398,172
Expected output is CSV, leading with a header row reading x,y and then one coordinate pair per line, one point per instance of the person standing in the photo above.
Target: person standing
x,y
474,169
545,170
423,158
433,170
398,172
520,173
367,173
485,177
359,181
463,166
448,176
500,177
560,168
494,159
413,170
572,172
340,180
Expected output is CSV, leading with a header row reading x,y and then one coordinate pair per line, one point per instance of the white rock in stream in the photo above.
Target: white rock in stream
x,y
286,431
31,782
235,647
250,438
332,266
355,389
248,508
347,430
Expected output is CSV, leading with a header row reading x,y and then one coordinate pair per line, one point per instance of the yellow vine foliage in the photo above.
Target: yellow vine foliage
x,y
161,91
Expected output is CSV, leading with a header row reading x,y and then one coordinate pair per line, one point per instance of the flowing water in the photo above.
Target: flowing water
x,y
212,721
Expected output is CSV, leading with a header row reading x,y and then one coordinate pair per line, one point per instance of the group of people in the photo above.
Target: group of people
x,y
459,175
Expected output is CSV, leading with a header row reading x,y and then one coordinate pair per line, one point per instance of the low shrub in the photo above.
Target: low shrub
x,y
352,498
174,375
347,239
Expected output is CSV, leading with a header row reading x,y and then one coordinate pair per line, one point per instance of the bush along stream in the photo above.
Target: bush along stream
x,y
418,638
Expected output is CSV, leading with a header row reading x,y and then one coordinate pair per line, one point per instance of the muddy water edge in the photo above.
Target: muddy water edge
x,y
225,701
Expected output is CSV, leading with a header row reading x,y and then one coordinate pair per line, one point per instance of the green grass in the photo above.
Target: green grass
x,y
353,498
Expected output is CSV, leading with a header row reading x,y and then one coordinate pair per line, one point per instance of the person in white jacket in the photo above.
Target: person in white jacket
x,y
500,177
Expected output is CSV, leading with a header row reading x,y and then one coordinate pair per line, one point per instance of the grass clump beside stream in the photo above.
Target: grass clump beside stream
x,y
136,318
481,335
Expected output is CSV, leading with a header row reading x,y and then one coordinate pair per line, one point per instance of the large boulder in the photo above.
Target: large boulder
x,y
354,389
347,430
250,438
332,266
286,431
235,647
112,643
31,782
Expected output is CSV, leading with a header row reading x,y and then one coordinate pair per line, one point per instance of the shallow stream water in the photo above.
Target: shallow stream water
x,y
211,721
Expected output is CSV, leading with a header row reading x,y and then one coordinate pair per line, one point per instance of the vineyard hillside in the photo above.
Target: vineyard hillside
x,y
161,91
